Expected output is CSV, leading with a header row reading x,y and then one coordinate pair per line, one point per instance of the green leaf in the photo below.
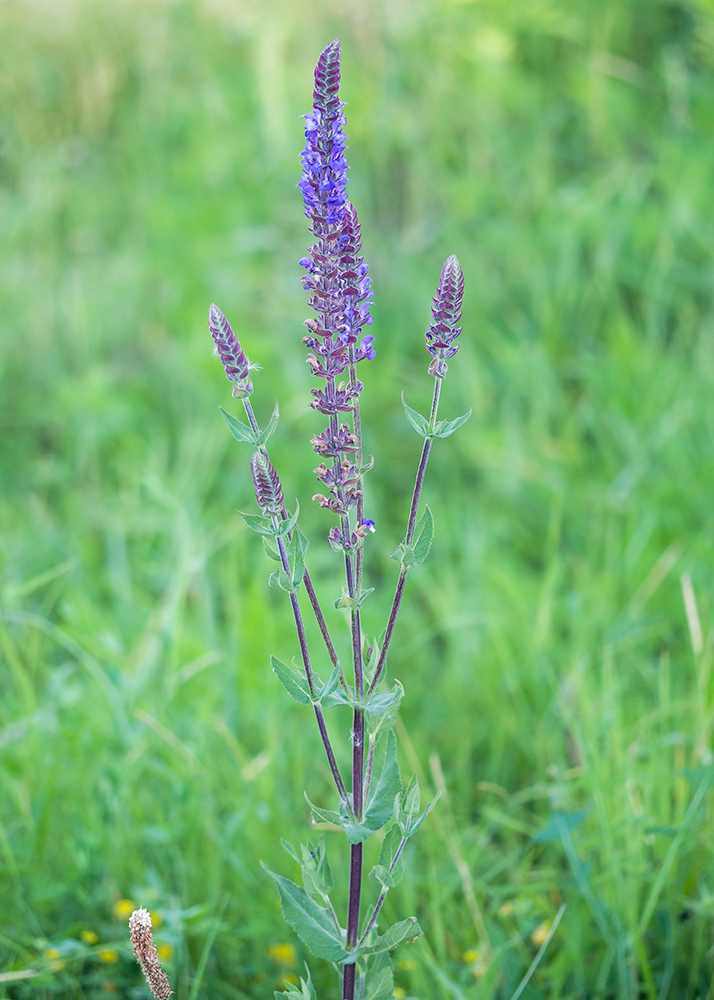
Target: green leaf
x,y
279,578
418,422
316,871
404,930
352,603
388,852
270,429
380,980
329,688
385,784
240,431
382,875
323,815
381,701
270,549
296,557
377,725
424,535
444,428
288,524
312,923
290,849
295,683
407,808
263,525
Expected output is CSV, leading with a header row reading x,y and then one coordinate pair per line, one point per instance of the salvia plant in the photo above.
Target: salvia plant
x,y
372,797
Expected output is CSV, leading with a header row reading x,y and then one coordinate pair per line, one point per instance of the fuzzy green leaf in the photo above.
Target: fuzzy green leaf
x,y
240,431
279,578
404,930
316,871
270,549
380,980
388,852
382,875
288,524
296,557
312,923
294,683
262,525
385,785
444,428
323,815
270,429
424,535
418,422
382,700
377,725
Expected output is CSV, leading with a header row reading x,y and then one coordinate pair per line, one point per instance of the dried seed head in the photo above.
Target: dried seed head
x,y
268,491
146,954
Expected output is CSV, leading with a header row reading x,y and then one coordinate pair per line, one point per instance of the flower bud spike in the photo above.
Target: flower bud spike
x,y
146,954
268,491
446,315
230,352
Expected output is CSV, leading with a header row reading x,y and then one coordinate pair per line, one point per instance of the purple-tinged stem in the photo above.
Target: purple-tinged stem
x,y
305,653
383,894
411,524
310,590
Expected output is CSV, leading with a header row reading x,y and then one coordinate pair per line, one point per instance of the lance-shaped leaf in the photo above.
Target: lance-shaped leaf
x,y
385,786
406,808
263,436
377,725
240,431
418,422
404,930
279,578
381,701
262,525
296,556
323,815
270,549
380,979
316,871
329,688
294,682
312,923
288,524
305,991
423,537
444,428
390,868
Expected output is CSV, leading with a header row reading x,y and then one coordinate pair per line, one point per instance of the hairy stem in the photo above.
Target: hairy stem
x,y
305,653
383,894
310,590
411,524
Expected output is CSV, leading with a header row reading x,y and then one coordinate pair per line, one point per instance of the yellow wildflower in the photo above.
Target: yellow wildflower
x,y
165,951
399,993
408,964
52,953
156,919
471,955
89,937
284,954
108,955
291,979
541,932
507,910
123,909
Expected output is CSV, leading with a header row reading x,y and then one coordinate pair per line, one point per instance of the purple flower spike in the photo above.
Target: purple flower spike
x,y
230,352
446,312
268,491
324,175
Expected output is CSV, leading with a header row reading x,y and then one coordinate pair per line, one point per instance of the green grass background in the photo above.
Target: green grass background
x,y
556,648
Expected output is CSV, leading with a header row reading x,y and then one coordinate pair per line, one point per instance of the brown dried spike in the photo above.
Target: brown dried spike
x,y
146,954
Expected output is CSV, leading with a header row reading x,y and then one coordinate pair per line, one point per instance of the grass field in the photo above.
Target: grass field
x,y
556,648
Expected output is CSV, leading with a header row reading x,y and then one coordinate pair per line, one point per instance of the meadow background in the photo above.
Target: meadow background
x,y
556,648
